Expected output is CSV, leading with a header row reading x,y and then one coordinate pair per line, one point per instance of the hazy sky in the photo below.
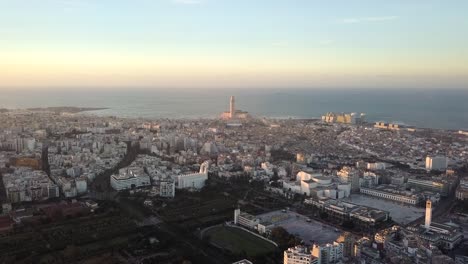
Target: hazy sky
x,y
234,43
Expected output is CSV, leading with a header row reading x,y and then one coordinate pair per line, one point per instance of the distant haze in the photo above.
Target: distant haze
x,y
434,108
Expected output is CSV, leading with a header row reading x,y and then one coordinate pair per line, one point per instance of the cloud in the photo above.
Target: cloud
x,y
188,2
355,20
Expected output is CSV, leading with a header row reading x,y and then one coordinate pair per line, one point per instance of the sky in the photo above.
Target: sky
x,y
233,43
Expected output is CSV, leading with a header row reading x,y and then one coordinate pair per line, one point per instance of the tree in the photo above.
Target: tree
x,y
283,238
324,215
348,224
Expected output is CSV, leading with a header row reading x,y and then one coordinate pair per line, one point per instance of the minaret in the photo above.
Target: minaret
x,y
232,109
427,223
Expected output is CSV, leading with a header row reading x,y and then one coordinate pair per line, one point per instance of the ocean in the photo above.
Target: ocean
x,y
434,108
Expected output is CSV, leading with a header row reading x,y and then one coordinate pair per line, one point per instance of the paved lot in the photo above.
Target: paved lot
x,y
401,214
296,224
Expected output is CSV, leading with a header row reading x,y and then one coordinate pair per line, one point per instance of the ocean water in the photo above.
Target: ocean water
x,y
436,108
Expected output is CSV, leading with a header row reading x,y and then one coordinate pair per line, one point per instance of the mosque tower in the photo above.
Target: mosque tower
x,y
232,109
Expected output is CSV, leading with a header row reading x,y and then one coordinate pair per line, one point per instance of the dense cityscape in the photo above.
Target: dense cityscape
x,y
77,187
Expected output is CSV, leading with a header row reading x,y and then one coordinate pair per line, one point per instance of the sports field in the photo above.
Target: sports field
x,y
238,241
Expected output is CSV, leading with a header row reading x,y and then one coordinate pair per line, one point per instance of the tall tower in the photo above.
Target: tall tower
x,y
232,108
427,223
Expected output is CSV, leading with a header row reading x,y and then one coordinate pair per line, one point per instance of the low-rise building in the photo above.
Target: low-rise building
x,y
392,193
362,215
299,255
439,184
245,219
194,180
129,178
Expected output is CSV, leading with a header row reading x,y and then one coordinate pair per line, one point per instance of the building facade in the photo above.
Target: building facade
x,y
411,199
329,253
167,189
194,180
436,163
299,255
129,178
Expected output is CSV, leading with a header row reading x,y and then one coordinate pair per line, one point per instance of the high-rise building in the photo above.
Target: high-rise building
x,y
350,175
436,163
348,241
329,253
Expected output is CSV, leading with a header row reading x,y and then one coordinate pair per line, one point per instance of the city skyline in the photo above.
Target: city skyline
x,y
232,44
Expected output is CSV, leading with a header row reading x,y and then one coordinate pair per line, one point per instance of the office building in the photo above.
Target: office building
x,y
329,253
350,175
438,184
436,163
167,189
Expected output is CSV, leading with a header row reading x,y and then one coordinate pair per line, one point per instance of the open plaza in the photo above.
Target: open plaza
x,y
309,230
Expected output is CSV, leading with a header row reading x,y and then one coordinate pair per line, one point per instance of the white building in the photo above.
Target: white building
x,y
292,186
81,185
26,185
299,255
245,219
167,189
392,194
194,180
304,176
436,163
376,166
446,235
329,253
130,178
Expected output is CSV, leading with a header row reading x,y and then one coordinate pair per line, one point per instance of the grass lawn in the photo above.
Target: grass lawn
x,y
237,241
